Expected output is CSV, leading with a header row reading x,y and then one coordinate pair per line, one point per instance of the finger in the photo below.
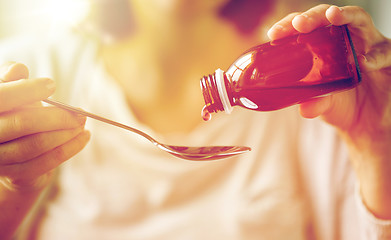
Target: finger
x,y
32,146
48,161
335,109
379,57
34,120
359,21
16,93
355,16
12,71
311,19
282,28
316,107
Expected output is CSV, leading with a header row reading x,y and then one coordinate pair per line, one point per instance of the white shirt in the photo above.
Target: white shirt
x,y
296,183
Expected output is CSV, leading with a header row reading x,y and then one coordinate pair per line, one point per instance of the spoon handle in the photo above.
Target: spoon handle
x,y
99,118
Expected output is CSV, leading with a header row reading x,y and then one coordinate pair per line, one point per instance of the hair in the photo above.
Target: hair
x,y
246,15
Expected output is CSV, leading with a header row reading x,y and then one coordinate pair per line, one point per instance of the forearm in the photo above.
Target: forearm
x,y
372,164
15,204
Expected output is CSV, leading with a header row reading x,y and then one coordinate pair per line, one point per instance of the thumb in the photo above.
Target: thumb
x,y
12,71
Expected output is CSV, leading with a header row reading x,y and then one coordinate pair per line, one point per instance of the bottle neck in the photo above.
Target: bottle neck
x,y
215,93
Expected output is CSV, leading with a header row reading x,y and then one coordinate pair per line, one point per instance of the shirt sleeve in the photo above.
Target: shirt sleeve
x,y
371,226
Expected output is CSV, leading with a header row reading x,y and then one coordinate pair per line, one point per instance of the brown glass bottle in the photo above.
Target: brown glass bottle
x,y
284,72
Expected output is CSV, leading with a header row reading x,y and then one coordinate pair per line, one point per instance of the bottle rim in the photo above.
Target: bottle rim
x,y
223,91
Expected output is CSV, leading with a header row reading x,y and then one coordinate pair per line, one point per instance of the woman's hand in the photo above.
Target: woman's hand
x,y
33,139
363,114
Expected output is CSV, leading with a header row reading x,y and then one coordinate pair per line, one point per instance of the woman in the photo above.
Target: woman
x,y
297,183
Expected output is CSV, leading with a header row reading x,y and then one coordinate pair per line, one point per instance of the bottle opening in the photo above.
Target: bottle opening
x,y
223,91
210,93
215,95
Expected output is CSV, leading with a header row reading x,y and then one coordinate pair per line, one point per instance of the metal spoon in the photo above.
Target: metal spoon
x,y
189,153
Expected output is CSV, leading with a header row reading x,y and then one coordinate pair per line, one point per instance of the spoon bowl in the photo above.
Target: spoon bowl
x,y
204,153
201,153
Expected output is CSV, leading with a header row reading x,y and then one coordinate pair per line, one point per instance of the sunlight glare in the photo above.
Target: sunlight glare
x,y
66,12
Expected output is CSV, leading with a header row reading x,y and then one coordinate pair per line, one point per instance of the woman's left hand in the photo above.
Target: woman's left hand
x,y
362,115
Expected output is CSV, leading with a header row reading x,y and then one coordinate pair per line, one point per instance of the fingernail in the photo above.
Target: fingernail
x,y
336,7
78,130
277,27
87,135
299,18
50,84
81,119
305,15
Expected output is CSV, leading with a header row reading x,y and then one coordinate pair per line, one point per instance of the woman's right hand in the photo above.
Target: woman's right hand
x,y
34,139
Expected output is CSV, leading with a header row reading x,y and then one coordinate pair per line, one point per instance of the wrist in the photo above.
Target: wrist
x,y
376,194
373,170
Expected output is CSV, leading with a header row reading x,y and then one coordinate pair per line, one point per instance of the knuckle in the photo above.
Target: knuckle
x,y
318,8
293,14
20,123
360,11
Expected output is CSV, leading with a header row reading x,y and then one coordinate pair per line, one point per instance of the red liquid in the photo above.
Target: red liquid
x,y
268,99
206,115
292,70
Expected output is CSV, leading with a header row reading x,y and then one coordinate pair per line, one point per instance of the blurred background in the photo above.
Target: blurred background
x,y
40,17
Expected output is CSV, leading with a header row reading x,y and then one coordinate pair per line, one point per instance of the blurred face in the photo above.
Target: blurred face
x,y
120,17
176,6
161,11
